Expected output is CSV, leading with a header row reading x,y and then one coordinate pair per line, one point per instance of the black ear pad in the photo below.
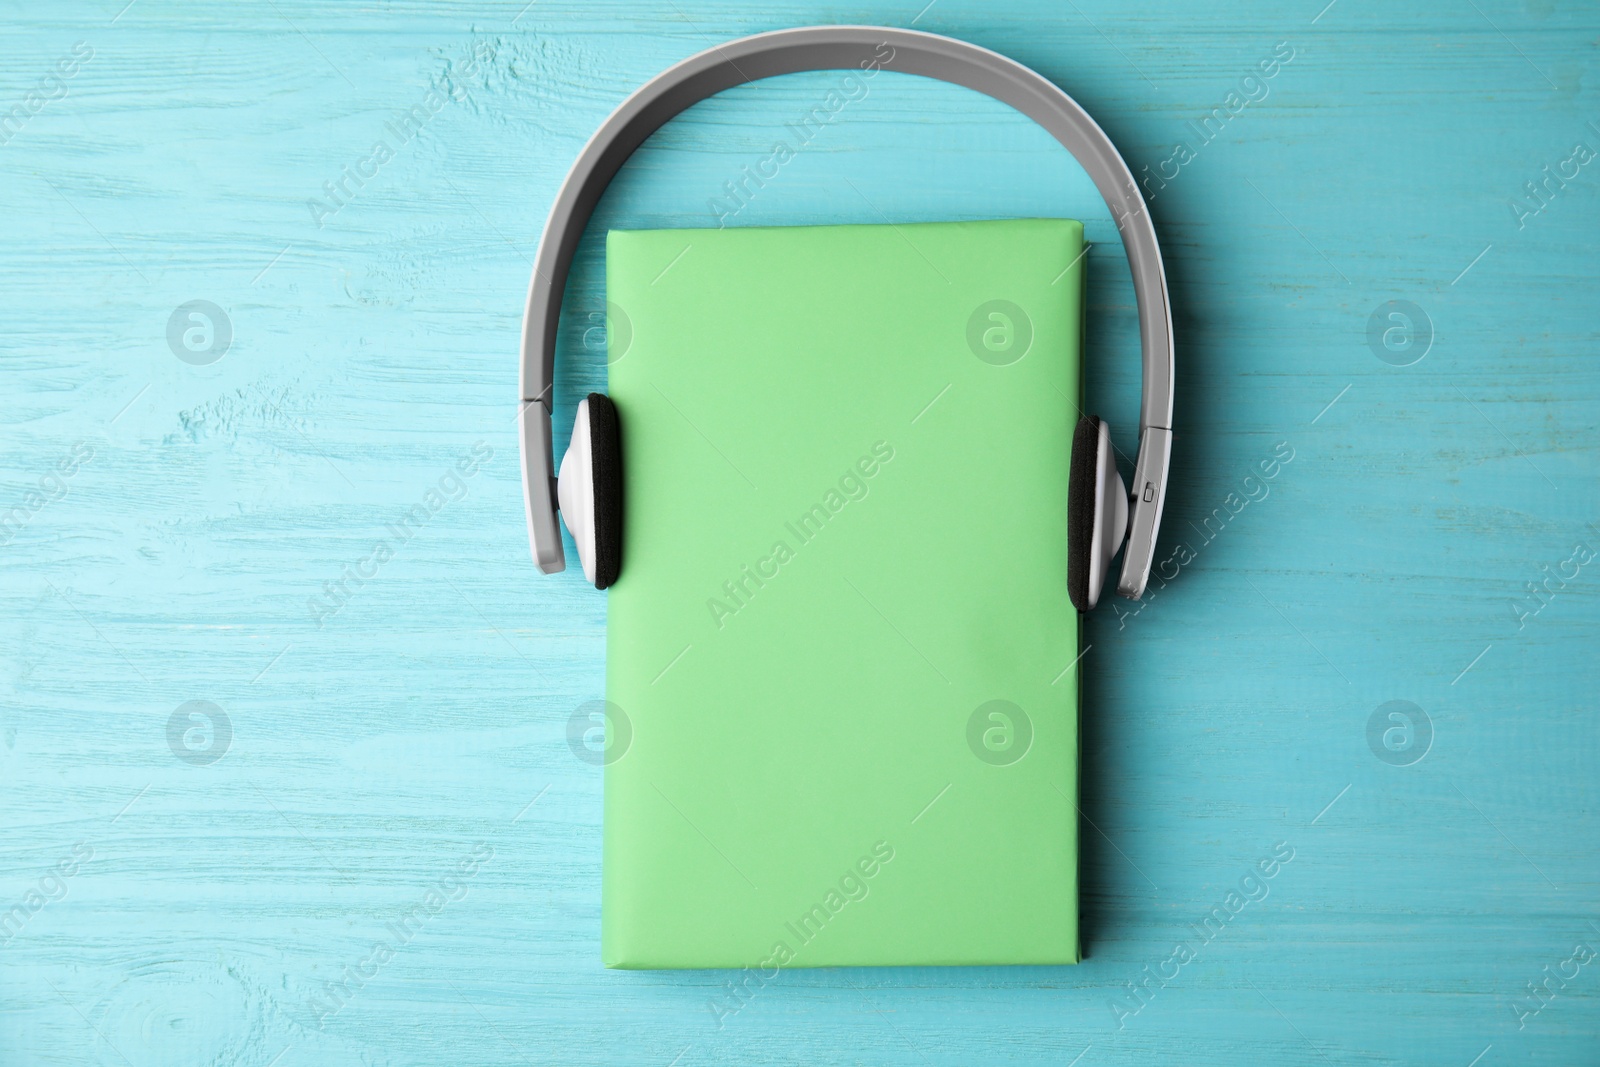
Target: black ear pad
x,y
1081,518
605,453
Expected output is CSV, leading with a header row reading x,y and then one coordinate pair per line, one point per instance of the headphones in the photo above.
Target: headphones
x,y
1103,517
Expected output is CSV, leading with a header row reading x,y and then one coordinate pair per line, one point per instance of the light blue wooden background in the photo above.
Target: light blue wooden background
x,y
208,903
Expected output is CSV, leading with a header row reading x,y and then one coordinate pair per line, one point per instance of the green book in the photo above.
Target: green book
x,y
840,654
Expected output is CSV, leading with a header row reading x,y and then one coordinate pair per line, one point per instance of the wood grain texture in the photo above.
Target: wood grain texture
x,y
373,748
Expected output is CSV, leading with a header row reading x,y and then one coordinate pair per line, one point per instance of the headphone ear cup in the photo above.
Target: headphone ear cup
x,y
589,489
1081,518
1097,512
605,453
575,490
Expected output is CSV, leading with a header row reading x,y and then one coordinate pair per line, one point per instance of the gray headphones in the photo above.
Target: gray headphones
x,y
589,488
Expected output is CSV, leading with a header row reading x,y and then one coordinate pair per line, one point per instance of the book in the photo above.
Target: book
x,y
841,659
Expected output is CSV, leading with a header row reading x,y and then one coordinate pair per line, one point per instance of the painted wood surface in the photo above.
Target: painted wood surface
x,y
182,892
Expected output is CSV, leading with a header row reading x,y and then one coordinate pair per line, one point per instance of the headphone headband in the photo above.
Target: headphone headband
x,y
766,55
